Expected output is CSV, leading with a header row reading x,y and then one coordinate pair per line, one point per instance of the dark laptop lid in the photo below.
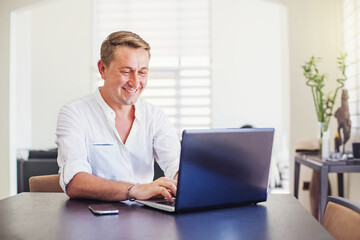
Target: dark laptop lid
x,y
223,167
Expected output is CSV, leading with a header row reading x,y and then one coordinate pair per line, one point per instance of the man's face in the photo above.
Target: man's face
x,y
126,76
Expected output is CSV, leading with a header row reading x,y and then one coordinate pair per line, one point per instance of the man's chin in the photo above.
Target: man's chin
x,y
129,102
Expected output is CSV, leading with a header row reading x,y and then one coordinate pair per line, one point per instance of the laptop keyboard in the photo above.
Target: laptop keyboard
x,y
167,203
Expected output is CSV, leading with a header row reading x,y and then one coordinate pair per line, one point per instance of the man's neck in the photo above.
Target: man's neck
x,y
120,109
125,115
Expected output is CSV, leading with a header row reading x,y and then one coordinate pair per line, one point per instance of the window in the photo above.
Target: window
x,y
178,32
352,47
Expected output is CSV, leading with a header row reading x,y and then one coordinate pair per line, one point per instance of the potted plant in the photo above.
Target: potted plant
x,y
324,103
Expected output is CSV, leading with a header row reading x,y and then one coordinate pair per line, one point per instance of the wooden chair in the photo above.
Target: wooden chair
x,y
342,218
45,183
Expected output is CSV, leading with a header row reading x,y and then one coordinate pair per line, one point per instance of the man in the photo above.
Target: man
x,y
108,140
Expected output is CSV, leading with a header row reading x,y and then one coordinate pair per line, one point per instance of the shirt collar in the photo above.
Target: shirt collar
x,y
109,112
138,112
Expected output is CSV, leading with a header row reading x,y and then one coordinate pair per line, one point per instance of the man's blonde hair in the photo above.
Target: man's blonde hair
x,y
121,38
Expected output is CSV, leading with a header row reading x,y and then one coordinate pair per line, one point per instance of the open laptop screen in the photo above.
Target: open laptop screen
x,y
223,167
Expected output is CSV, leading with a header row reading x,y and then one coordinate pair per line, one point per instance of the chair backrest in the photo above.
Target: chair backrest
x,y
45,183
342,218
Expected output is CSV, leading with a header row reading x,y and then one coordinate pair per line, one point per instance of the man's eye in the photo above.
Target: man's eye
x,y
143,73
125,72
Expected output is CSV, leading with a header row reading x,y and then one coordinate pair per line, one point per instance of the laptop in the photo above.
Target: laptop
x,y
221,168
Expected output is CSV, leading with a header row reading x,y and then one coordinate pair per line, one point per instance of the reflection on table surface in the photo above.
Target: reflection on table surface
x,y
55,216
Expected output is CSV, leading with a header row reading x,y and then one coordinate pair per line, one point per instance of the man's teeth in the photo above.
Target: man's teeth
x,y
130,91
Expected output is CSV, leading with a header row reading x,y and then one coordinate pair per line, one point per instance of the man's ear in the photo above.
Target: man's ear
x,y
101,68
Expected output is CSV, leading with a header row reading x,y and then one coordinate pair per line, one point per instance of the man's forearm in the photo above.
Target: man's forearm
x,y
85,185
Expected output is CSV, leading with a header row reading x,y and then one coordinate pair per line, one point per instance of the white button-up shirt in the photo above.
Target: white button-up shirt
x,y
88,141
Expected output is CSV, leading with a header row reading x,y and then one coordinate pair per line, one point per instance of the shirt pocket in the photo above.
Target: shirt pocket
x,y
103,156
101,152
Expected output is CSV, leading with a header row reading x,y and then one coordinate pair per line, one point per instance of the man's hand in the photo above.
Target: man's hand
x,y
164,186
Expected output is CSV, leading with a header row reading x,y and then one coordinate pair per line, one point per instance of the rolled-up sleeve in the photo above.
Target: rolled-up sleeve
x,y
72,146
166,145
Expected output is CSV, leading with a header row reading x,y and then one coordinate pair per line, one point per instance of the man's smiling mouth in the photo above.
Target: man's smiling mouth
x,y
130,91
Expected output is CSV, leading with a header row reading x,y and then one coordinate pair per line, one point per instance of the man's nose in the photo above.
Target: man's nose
x,y
134,80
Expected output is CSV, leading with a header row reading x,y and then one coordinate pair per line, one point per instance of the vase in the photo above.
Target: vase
x,y
324,136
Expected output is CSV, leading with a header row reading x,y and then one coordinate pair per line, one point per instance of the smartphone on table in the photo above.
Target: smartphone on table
x,y
103,209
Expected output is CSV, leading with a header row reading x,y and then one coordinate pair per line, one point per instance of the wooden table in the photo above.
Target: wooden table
x,y
324,168
55,216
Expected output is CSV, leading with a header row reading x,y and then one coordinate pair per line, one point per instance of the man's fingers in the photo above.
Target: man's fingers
x,y
165,179
169,184
166,194
172,187
164,187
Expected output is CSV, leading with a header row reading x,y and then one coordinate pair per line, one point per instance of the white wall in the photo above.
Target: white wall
x,y
56,37
23,79
53,61
7,123
249,65
61,43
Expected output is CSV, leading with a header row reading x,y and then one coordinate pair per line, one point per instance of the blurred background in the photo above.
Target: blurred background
x,y
214,64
